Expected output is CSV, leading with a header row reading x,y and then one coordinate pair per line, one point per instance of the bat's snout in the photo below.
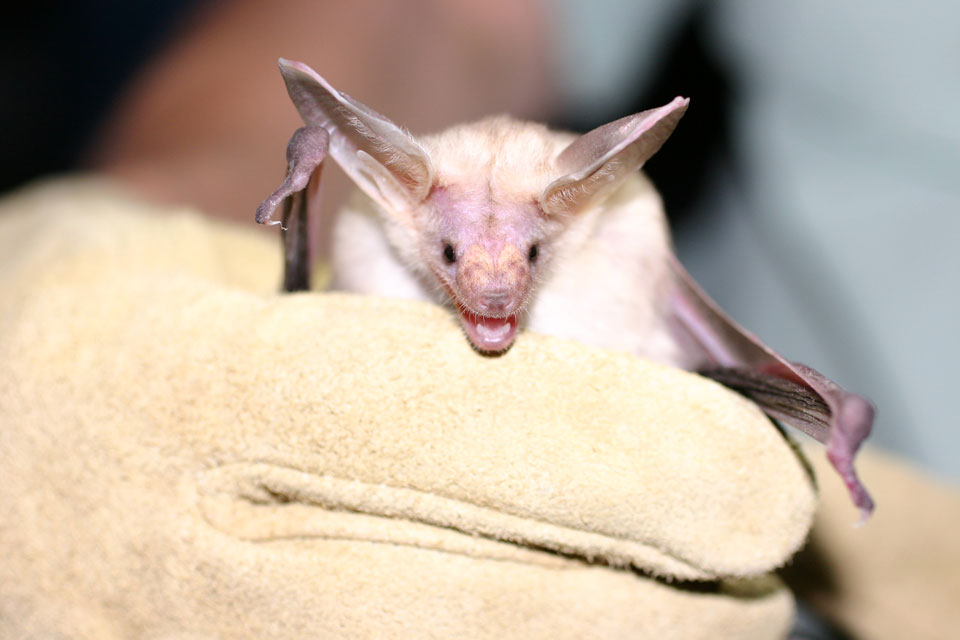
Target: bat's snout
x,y
492,283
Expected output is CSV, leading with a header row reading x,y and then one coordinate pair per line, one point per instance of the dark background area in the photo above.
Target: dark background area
x,y
62,64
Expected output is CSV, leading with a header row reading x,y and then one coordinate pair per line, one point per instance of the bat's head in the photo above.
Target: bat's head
x,y
485,250
479,208
480,232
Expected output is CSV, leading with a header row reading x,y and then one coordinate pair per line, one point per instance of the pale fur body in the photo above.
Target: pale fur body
x,y
602,276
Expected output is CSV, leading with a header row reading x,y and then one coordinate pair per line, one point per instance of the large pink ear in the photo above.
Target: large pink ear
x,y
597,162
380,157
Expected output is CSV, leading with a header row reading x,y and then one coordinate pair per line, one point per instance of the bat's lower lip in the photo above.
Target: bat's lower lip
x,y
488,334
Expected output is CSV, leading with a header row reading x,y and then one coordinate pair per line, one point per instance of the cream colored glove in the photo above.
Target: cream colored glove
x,y
186,453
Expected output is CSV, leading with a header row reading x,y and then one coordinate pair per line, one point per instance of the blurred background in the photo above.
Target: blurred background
x,y
813,186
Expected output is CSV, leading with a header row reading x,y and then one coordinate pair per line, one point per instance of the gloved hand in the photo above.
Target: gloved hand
x,y
187,453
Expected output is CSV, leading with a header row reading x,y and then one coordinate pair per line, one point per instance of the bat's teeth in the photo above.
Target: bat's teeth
x,y
488,335
493,335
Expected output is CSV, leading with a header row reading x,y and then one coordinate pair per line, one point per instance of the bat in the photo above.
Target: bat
x,y
514,226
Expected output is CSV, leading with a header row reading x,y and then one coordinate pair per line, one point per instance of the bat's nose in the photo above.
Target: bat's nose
x,y
496,301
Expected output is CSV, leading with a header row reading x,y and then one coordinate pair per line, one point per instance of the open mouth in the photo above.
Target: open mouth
x,y
486,333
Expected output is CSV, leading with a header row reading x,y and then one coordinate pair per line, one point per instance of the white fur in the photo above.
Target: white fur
x,y
609,280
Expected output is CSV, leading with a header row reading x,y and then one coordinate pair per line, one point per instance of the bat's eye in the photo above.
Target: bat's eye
x,y
449,254
534,252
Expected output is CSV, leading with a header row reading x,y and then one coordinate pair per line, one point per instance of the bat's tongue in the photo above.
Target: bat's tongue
x,y
488,334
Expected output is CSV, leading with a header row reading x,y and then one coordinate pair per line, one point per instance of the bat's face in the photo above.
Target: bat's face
x,y
486,252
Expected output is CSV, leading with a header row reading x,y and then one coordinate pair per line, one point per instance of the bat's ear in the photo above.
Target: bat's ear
x,y
597,162
380,157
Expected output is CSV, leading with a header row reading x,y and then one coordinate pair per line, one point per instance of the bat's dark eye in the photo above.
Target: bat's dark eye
x,y
449,254
534,252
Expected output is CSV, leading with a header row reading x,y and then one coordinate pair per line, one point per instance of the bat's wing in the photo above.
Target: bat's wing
x,y
785,390
380,157
305,154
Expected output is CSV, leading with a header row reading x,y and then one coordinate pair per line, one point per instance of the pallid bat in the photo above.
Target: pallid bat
x,y
517,226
